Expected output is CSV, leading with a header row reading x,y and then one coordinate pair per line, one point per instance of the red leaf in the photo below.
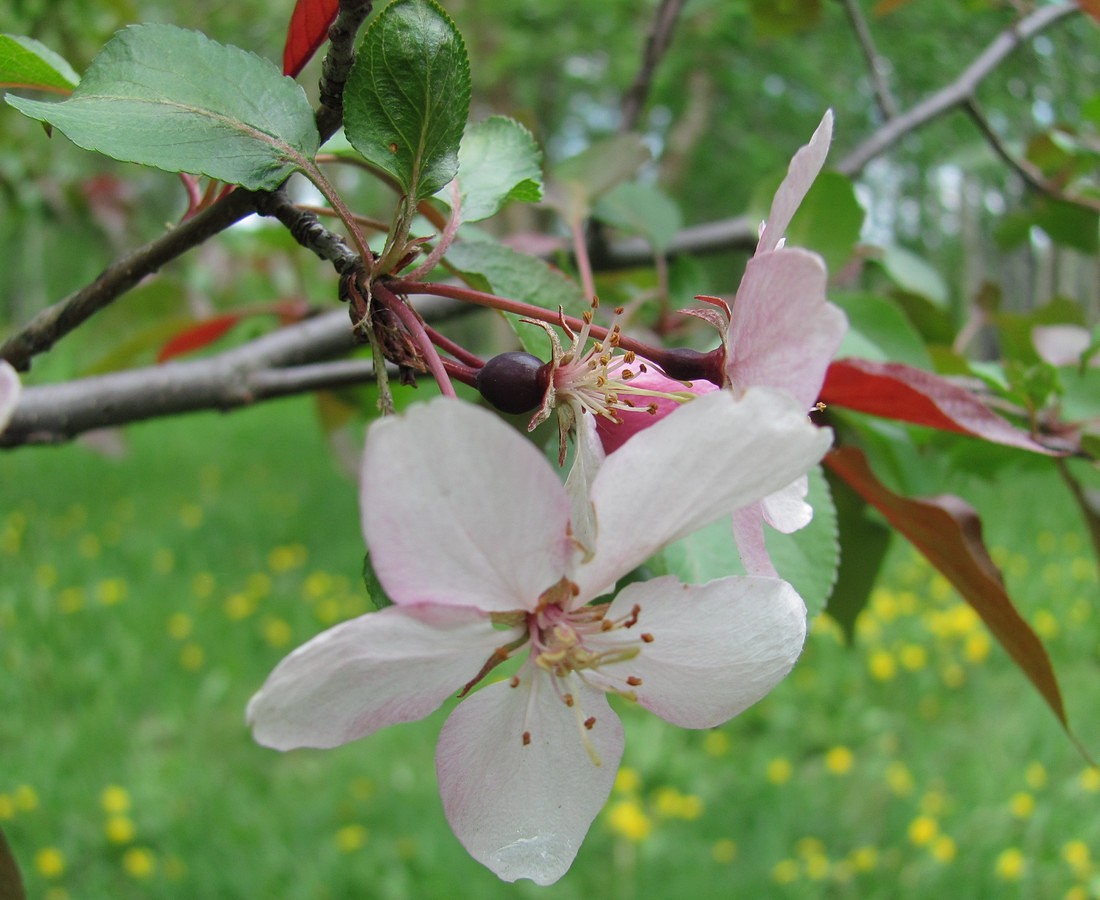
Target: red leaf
x,y
897,391
1092,7
949,534
308,29
209,330
199,336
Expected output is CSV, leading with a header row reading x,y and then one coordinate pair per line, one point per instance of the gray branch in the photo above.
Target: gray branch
x,y
296,359
54,322
958,91
739,232
876,65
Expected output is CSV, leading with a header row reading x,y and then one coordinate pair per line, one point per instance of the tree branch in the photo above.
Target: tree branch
x,y
657,44
54,322
337,64
739,232
876,64
293,360
1030,173
959,90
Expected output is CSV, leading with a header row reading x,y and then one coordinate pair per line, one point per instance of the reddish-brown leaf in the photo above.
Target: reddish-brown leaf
x,y
199,336
897,391
1092,7
949,534
308,29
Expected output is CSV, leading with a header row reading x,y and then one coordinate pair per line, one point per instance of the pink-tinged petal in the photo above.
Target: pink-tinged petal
x,y
804,168
710,457
614,434
787,510
717,648
10,388
395,665
783,332
523,810
748,534
459,508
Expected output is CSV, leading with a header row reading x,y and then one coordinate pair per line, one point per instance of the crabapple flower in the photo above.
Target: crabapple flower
x,y
782,333
9,392
669,394
469,531
597,379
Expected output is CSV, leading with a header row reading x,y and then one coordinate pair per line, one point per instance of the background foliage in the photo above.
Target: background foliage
x,y
143,600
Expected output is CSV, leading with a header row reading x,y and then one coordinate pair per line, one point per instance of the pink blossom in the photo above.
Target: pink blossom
x,y
9,392
470,533
782,333
613,434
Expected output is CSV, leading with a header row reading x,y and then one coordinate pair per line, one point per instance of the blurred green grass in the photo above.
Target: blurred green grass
x,y
144,599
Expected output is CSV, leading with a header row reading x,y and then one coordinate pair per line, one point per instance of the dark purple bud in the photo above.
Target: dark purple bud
x,y
685,364
514,382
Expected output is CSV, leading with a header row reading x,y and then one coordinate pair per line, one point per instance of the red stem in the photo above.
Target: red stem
x,y
670,360
416,328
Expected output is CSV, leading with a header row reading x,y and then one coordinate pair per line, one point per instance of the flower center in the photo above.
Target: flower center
x,y
569,645
596,380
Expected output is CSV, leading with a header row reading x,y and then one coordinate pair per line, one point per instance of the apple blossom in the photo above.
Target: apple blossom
x,y
9,392
470,533
780,332
602,381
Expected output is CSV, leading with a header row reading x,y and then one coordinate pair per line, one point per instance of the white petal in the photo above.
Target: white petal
x,y
787,510
717,648
523,811
395,665
804,168
710,457
783,333
459,508
10,388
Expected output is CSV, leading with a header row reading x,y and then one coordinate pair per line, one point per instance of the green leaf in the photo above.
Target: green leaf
x,y
829,220
1065,223
376,594
178,101
25,63
864,541
808,558
408,95
498,161
581,180
642,209
913,275
771,19
879,330
504,271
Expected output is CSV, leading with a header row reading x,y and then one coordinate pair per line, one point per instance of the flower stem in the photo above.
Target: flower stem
x,y
677,362
415,328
